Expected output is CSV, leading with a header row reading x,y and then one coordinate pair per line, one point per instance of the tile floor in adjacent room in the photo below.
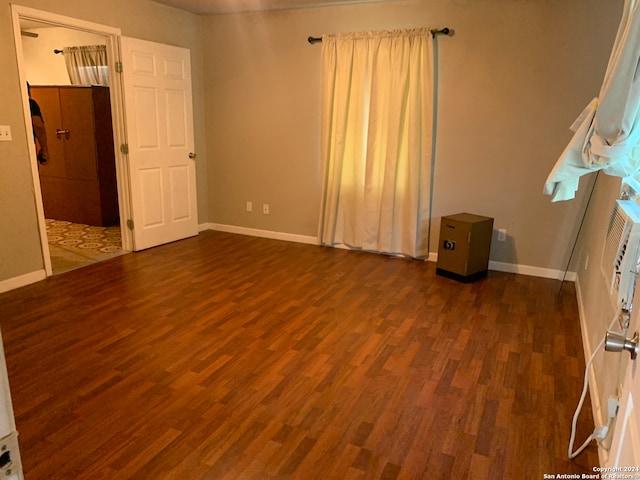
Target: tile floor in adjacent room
x,y
74,245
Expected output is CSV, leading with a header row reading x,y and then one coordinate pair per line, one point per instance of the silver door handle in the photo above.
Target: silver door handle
x,y
617,342
192,156
62,132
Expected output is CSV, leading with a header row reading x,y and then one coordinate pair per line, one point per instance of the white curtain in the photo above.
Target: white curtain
x,y
377,122
87,65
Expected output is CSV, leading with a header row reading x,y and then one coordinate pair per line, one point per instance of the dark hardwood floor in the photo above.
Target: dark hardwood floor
x,y
232,357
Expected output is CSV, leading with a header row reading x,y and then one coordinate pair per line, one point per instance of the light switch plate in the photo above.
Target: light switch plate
x,y
5,133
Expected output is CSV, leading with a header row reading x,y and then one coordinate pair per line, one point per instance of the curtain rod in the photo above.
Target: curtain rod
x,y
434,32
58,51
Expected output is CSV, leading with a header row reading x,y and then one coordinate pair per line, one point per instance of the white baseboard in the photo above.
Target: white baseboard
x,y
523,269
254,232
36,276
532,271
594,391
22,280
433,257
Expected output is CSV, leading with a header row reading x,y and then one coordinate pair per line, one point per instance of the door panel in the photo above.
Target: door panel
x,y
625,439
625,448
146,118
81,137
159,113
153,199
177,127
179,177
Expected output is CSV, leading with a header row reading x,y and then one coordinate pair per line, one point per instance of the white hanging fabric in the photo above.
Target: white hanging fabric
x,y
87,65
377,124
607,134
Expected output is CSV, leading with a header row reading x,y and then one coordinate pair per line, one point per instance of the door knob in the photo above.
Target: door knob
x,y
192,156
617,342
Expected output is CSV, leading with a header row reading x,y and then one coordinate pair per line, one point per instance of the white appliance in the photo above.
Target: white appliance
x,y
619,263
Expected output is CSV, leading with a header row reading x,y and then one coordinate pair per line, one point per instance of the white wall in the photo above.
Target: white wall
x,y
596,309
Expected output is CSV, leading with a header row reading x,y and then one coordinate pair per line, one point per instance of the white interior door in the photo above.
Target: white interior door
x,y
159,119
625,445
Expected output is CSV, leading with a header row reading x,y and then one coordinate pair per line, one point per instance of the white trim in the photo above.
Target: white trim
x,y
254,232
523,270
16,12
22,280
594,391
63,21
433,257
111,35
532,271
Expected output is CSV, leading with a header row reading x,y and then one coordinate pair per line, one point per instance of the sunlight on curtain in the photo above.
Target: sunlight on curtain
x,y
377,123
87,65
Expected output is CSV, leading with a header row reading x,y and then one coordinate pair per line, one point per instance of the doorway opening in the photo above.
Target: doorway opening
x,y
81,192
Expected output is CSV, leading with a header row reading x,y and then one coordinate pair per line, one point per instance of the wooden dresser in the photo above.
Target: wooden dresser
x,y
79,180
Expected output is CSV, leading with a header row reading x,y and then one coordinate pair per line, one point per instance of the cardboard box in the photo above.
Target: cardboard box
x,y
465,243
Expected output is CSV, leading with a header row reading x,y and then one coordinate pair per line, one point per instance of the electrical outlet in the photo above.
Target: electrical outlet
x,y
265,208
502,234
5,133
612,407
249,207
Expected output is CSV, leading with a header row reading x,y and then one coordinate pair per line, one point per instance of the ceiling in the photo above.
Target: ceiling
x,y
212,7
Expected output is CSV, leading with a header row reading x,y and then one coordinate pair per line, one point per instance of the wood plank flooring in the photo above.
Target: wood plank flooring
x,y
232,357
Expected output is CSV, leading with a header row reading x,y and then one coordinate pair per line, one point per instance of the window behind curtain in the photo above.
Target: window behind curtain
x,y
376,140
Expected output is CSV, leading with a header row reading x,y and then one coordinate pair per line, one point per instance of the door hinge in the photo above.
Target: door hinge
x,y
130,224
124,148
119,66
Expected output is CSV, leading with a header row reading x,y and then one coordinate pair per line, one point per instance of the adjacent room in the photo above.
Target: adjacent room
x,y
294,185
68,80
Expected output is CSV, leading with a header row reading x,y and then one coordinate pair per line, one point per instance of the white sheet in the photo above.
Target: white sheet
x,y
607,138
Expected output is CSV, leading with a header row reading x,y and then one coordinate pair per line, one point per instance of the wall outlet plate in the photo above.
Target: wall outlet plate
x,y
5,133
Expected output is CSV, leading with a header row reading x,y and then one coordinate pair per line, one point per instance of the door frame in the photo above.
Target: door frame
x,y
112,36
